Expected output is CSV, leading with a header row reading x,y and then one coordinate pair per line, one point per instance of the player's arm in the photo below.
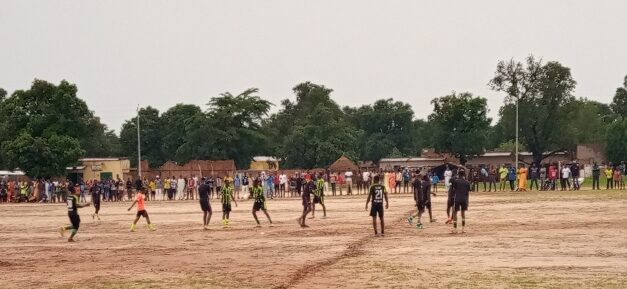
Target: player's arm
x,y
132,205
385,194
82,206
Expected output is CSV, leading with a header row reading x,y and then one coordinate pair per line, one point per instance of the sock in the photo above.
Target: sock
x,y
454,224
463,222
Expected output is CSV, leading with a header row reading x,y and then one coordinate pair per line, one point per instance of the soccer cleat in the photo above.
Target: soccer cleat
x,y
151,227
433,220
410,220
132,227
62,231
419,226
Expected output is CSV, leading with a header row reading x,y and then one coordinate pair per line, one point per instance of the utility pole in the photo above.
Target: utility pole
x,y
139,148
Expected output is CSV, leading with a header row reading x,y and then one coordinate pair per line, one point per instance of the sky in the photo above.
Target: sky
x,y
122,54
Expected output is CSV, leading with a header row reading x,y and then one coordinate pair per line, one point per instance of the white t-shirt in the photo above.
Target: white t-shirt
x,y
566,173
349,176
366,176
283,179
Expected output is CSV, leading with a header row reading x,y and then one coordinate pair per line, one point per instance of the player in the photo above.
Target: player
x,y
72,212
227,197
319,198
377,193
461,188
417,187
308,189
260,202
140,200
449,206
95,199
205,206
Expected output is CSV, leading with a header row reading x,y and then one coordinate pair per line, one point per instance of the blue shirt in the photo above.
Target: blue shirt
x,y
511,175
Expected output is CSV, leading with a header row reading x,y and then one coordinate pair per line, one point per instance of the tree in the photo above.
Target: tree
x,y
619,103
174,123
238,123
385,125
41,128
151,137
460,122
616,147
311,132
543,92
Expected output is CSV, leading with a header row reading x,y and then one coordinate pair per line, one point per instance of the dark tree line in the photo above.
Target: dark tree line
x,y
47,127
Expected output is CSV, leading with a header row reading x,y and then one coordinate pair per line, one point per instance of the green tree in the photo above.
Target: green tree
x,y
238,123
385,125
543,92
460,122
41,128
174,123
619,103
312,131
616,147
151,137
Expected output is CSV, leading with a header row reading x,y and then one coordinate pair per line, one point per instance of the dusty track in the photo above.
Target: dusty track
x,y
532,240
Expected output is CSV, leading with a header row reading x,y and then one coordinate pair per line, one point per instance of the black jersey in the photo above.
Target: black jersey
x,y
72,204
203,191
376,193
417,185
460,188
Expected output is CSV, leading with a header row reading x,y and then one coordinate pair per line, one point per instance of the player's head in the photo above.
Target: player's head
x,y
203,180
461,174
376,179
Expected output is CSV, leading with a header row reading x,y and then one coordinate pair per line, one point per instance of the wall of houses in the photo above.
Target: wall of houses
x,y
589,153
95,168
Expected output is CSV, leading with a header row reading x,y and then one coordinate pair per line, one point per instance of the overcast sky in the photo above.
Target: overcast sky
x,y
159,53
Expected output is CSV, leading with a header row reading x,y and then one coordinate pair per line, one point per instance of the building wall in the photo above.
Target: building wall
x,y
489,161
93,169
412,164
589,153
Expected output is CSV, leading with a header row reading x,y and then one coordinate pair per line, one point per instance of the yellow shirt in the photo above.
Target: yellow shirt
x,y
608,173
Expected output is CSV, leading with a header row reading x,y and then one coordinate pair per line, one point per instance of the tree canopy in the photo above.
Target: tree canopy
x,y
460,123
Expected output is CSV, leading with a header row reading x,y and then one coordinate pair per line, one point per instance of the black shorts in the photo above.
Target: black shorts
x,y
461,205
424,204
205,206
377,208
142,213
75,220
97,206
450,202
226,208
319,199
259,206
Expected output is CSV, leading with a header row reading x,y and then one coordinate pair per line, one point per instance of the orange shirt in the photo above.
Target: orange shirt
x,y
140,202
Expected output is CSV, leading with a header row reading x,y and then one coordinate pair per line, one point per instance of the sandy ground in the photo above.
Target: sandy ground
x,y
528,240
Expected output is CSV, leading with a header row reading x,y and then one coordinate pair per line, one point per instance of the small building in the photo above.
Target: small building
x,y
264,163
388,164
214,168
343,164
101,168
496,159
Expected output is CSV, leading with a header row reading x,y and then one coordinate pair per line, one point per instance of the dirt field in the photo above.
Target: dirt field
x,y
530,240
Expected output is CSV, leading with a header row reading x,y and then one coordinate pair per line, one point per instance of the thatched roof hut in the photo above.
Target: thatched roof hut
x,y
343,164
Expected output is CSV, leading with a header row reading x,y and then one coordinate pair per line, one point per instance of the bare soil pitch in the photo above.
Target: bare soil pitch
x,y
514,240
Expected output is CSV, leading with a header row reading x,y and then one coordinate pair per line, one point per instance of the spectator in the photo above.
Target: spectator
x,y
533,174
511,177
522,178
617,177
333,181
348,177
596,173
574,170
565,180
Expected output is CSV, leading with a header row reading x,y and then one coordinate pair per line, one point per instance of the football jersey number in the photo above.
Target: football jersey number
x,y
70,205
378,194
